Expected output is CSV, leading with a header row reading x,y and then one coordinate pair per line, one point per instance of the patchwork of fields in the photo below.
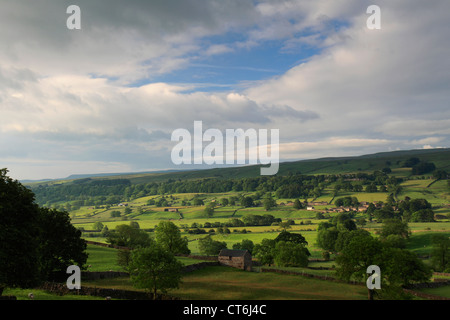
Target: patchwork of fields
x,y
305,221
235,284
195,223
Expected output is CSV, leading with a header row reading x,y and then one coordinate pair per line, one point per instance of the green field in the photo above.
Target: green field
x,y
442,291
234,284
225,283
22,294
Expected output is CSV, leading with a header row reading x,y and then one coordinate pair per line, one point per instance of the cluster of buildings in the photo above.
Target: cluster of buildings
x,y
362,207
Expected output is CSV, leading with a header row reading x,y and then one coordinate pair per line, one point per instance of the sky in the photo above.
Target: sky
x,y
107,97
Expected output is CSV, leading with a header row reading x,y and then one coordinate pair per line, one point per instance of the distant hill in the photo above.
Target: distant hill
x,y
96,175
330,165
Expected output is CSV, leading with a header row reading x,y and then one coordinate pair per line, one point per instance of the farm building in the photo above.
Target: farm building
x,y
241,259
171,210
319,203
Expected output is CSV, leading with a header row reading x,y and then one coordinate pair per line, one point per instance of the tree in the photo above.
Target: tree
x,y
209,211
264,251
326,238
224,202
198,202
344,238
269,202
440,174
386,170
360,252
247,202
390,201
418,204
347,202
232,201
399,267
285,225
135,224
440,255
394,241
129,236
411,162
384,213
423,215
124,258
297,204
60,243
291,237
423,167
371,188
394,227
168,236
344,221
210,247
290,254
98,226
155,269
34,241
115,213
19,231
402,267
244,245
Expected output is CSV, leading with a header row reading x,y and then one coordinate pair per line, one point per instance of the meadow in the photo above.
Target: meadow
x,y
236,284
233,284
225,283
305,221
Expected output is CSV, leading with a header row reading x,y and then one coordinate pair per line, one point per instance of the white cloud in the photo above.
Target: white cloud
x,y
383,83
428,141
127,41
66,95
334,146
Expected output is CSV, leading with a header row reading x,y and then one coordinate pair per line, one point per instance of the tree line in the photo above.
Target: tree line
x,y
95,192
36,243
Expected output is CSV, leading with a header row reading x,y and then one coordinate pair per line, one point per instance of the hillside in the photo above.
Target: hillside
x,y
329,165
98,204
299,179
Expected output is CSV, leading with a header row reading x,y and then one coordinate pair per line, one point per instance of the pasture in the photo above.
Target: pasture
x,y
224,283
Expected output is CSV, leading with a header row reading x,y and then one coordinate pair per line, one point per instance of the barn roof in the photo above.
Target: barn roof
x,y
232,253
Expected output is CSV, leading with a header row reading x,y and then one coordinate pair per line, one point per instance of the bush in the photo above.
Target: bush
x,y
424,215
115,214
290,254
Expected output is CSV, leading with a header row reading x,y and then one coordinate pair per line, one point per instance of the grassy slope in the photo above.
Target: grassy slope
x,y
244,285
224,283
232,284
365,163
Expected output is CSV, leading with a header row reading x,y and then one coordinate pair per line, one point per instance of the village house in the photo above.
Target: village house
x,y
318,203
241,259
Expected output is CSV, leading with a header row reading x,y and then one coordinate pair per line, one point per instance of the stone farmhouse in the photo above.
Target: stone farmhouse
x,y
241,259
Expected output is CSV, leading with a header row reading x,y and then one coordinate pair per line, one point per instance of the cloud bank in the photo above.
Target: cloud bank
x,y
92,100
